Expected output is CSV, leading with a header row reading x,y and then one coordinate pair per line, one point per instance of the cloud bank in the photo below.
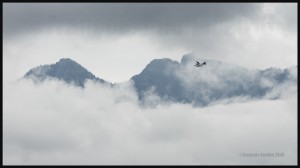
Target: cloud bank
x,y
55,123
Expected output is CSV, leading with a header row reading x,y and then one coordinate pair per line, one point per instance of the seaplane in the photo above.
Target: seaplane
x,y
197,64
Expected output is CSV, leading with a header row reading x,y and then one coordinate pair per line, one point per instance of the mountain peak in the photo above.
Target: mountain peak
x,y
162,62
66,60
217,80
65,69
187,58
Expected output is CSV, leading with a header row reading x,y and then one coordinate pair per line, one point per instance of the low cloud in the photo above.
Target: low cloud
x,y
56,123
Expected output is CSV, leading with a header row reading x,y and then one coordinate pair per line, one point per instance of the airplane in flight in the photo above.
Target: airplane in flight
x,y
199,65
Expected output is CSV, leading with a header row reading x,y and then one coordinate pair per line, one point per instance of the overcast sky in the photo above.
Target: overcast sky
x,y
116,41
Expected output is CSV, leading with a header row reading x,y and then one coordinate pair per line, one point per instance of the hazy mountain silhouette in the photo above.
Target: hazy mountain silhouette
x,y
66,70
182,81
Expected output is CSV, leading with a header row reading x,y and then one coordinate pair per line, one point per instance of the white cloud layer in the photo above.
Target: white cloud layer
x,y
55,123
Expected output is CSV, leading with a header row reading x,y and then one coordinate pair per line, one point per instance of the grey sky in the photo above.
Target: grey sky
x,y
253,35
21,18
